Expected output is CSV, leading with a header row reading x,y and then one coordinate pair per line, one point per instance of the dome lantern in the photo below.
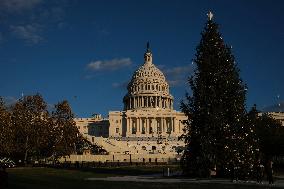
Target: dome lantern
x,y
148,54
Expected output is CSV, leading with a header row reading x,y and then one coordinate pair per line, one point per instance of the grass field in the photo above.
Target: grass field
x,y
32,178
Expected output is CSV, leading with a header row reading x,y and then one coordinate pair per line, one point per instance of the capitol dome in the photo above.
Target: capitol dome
x,y
148,87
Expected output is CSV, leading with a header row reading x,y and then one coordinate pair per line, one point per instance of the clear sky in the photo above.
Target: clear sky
x,y
85,51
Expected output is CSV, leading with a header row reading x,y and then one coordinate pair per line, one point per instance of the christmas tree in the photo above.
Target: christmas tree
x,y
217,136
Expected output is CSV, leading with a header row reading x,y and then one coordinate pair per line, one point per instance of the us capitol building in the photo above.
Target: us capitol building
x,y
148,123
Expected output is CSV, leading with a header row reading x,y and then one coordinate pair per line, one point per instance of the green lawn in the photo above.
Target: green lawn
x,y
60,178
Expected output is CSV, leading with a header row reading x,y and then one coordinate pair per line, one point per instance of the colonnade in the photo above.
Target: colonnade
x,y
148,102
152,126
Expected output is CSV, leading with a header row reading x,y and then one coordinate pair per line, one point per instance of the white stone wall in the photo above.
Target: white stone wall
x,y
122,158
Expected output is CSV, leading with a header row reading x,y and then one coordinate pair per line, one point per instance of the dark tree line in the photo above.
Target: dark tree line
x,y
28,131
270,133
221,136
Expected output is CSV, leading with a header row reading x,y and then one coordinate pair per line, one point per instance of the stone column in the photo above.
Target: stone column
x,y
149,125
146,101
146,125
173,124
143,124
136,102
162,124
165,125
127,126
131,125
155,128
157,105
154,125
138,126
167,103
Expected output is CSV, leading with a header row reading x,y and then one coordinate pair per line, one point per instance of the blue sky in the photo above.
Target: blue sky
x,y
85,51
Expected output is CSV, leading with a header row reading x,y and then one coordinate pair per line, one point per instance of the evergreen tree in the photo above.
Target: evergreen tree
x,y
216,135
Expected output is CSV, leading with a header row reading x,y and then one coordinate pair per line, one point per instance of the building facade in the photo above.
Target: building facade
x,y
279,116
148,106
147,124
95,126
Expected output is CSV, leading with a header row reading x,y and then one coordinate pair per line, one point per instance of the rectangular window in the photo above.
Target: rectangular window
x,y
117,130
